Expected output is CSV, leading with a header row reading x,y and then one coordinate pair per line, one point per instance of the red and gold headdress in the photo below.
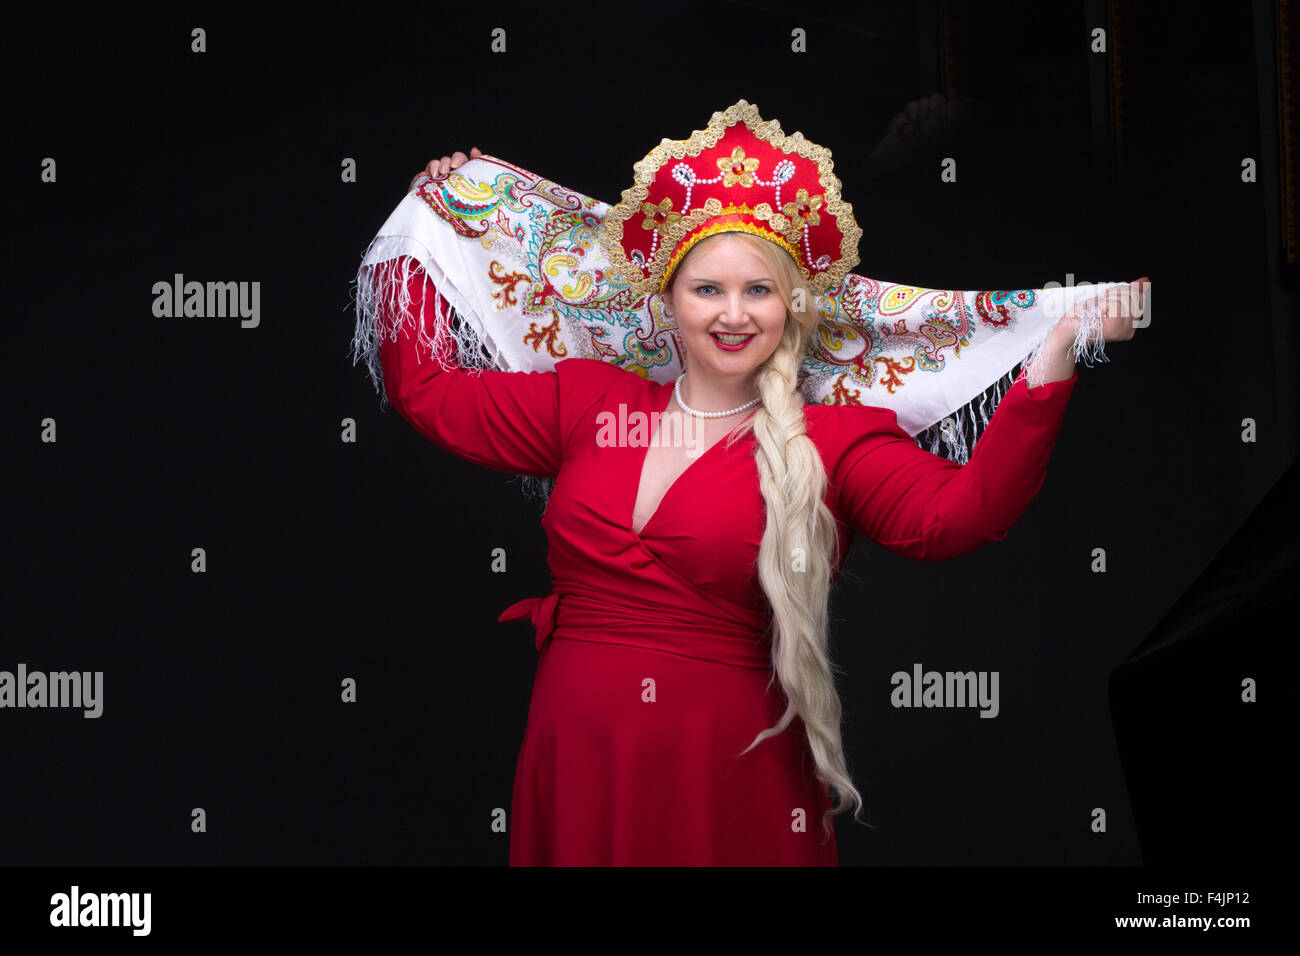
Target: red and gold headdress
x,y
738,174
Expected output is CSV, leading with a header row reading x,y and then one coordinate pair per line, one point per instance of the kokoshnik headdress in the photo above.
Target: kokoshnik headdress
x,y
536,273
732,176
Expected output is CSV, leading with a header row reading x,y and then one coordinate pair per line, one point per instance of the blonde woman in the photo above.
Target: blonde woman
x,y
684,709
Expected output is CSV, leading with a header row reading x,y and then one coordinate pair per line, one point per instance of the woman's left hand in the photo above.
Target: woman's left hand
x,y
1121,309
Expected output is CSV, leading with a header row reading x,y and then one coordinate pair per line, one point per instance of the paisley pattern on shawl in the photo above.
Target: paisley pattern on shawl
x,y
518,258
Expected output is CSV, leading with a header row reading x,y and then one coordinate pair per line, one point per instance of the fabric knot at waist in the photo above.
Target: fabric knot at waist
x,y
716,631
540,610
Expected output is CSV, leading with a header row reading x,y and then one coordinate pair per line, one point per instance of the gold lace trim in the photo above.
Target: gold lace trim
x,y
713,228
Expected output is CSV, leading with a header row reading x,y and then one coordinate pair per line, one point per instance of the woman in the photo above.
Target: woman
x,y
684,709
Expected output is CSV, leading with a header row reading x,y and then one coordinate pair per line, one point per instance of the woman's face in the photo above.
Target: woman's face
x,y
727,309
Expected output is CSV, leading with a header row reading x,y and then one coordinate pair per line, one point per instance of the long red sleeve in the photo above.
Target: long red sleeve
x,y
926,507
508,421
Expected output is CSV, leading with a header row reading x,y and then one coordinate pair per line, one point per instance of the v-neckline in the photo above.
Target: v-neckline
x,y
640,472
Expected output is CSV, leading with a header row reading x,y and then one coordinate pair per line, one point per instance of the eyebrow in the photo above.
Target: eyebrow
x,y
719,281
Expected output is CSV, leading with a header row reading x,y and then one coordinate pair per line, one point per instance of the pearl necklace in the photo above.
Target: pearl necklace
x,y
677,391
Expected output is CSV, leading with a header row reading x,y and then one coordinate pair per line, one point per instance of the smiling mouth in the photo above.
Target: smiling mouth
x,y
730,339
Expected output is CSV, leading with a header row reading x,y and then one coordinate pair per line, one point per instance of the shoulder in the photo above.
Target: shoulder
x,y
586,384
592,368
594,376
843,433
838,422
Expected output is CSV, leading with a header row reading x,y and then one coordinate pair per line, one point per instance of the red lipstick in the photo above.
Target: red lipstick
x,y
730,346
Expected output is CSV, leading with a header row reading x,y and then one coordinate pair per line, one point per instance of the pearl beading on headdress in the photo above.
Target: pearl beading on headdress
x,y
780,176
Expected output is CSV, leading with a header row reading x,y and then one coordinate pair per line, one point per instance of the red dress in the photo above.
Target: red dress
x,y
653,668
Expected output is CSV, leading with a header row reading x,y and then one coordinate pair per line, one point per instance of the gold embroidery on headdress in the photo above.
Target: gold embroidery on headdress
x,y
737,169
659,218
804,208
717,227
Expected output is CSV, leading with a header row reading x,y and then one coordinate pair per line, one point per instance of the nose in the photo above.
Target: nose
x,y
734,315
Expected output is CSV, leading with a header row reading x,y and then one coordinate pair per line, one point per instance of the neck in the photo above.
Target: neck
x,y
714,394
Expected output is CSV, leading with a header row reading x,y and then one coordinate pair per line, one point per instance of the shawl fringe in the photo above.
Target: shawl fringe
x,y
954,437
453,334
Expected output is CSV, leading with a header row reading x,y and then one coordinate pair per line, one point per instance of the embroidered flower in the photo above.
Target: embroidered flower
x,y
659,218
804,209
737,169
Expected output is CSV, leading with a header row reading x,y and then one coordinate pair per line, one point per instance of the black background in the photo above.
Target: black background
x,y
371,560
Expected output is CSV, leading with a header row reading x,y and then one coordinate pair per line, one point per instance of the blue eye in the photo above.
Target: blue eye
x,y
764,289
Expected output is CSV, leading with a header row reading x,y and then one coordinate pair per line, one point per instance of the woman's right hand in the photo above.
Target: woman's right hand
x,y
441,167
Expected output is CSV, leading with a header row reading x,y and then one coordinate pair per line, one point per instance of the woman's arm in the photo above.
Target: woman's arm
x,y
509,421
926,507
932,509
1055,361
